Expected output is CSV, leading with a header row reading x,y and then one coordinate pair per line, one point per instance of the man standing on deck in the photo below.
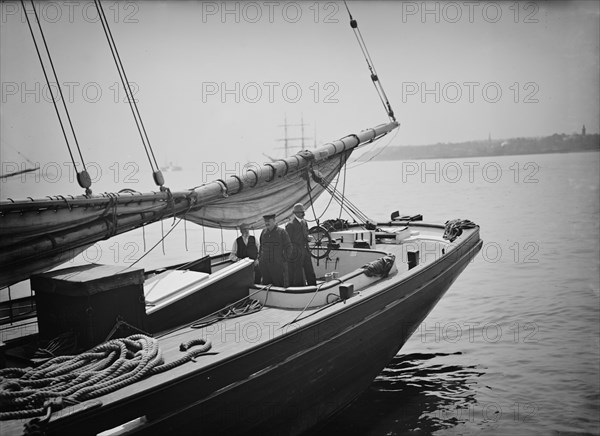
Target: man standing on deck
x,y
246,246
299,262
274,251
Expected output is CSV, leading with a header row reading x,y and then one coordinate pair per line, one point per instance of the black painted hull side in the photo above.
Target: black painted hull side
x,y
288,385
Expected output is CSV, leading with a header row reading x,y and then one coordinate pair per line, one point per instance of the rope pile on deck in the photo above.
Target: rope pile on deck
x,y
454,228
68,380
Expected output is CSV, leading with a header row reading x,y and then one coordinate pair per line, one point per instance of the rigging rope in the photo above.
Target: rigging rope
x,y
374,76
343,189
317,290
214,317
331,188
242,307
309,188
338,196
381,149
348,206
156,173
63,380
83,177
312,203
161,241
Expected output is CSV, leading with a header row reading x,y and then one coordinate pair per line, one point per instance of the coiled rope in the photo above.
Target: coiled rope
x,y
65,380
454,228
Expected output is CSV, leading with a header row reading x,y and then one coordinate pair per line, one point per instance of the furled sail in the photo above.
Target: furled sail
x,y
36,235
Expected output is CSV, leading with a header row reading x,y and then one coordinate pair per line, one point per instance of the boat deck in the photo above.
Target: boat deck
x,y
237,336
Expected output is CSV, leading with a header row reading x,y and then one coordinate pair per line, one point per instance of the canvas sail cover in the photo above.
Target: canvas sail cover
x,y
276,192
36,235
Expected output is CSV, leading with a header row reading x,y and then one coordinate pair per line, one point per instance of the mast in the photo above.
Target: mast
x,y
286,140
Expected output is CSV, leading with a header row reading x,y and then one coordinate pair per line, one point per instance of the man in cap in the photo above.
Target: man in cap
x,y
274,251
246,246
299,262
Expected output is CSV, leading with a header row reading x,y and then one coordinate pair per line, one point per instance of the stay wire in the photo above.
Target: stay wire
x,y
343,189
363,48
203,238
309,188
349,207
100,15
58,86
161,241
374,77
312,204
358,217
127,87
381,149
62,127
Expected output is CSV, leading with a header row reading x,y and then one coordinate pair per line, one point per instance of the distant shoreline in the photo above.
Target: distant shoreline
x,y
557,143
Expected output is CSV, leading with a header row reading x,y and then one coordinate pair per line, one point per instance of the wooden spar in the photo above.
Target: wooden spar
x,y
178,202
28,237
58,202
16,173
204,193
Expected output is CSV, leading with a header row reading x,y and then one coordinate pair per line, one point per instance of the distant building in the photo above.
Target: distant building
x,y
583,130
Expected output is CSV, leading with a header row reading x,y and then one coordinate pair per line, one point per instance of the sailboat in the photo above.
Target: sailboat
x,y
200,346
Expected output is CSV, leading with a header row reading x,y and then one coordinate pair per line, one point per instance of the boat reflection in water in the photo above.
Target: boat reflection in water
x,y
415,394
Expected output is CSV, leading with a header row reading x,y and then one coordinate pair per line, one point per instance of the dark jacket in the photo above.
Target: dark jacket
x,y
244,250
298,233
274,246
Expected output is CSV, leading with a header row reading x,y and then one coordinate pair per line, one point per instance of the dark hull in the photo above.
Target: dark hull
x,y
289,384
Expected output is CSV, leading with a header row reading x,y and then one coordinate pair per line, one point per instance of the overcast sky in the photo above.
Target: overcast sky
x,y
214,80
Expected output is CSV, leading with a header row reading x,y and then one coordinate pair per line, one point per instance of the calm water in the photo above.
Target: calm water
x,y
513,347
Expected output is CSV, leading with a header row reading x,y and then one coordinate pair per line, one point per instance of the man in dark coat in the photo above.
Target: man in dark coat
x,y
299,262
274,252
246,246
